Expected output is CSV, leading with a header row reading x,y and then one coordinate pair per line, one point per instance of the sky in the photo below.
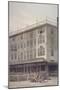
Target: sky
x,y
24,14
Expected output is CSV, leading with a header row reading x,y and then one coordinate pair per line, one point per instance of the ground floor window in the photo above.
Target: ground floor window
x,y
42,67
52,67
27,68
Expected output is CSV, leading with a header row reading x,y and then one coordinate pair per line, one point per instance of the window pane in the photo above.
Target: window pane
x,y
41,51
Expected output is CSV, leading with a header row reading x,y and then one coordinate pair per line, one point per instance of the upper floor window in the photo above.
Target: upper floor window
x,y
13,47
21,55
41,39
52,31
31,55
24,44
31,34
21,36
12,56
21,44
27,43
31,43
41,51
41,31
13,38
18,57
52,42
27,54
18,46
24,55
34,42
52,53
15,56
34,53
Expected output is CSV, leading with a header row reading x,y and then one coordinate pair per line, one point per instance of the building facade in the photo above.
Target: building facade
x,y
34,50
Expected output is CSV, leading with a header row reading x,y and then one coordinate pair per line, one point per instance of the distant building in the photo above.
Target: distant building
x,y
34,49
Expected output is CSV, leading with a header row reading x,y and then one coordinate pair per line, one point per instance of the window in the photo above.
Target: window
x,y
41,31
52,53
42,67
52,31
13,39
34,53
21,36
13,68
13,47
31,55
31,43
21,55
34,34
31,34
41,51
27,54
15,56
18,46
18,57
52,42
21,45
41,39
24,55
27,43
24,45
12,56
34,42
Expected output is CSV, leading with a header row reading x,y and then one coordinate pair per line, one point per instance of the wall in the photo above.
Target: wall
x,y
51,43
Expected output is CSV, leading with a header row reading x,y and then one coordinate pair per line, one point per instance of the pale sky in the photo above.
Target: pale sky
x,y
24,14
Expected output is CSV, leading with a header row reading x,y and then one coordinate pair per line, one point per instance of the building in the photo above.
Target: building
x,y
34,50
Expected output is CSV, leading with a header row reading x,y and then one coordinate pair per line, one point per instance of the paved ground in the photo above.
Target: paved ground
x,y
52,81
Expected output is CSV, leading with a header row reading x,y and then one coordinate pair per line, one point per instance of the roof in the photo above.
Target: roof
x,y
30,27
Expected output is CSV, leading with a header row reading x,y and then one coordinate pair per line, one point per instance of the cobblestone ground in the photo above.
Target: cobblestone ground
x,y
51,81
